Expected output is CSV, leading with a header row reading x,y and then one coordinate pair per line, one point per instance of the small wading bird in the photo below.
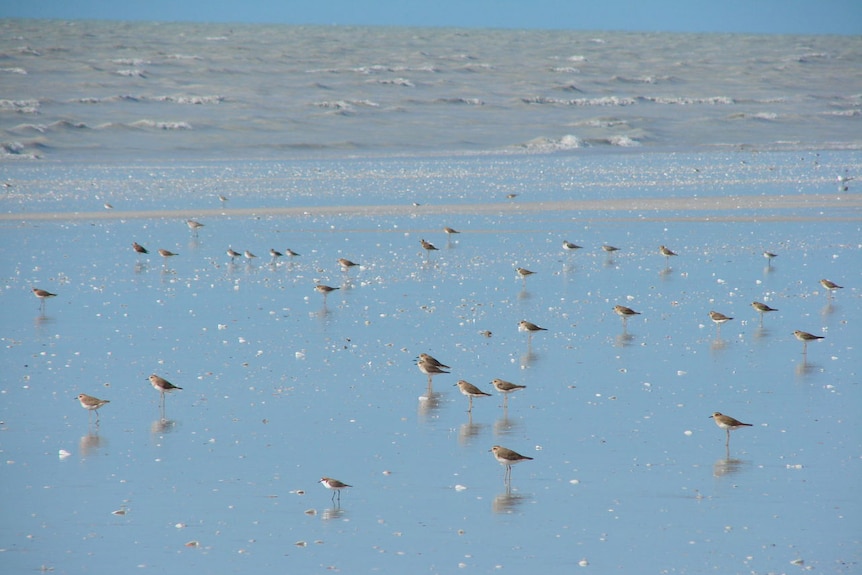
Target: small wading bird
x,y
805,337
530,328
162,386
610,249
430,366
569,246
42,295
719,318
167,253
769,257
471,391
449,231
523,273
194,226
428,246
139,248
506,387
91,404
325,290
346,264
830,286
232,254
728,424
335,485
290,253
666,253
508,458
762,308
625,313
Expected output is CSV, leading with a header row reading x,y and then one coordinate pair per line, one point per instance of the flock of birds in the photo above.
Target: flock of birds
x,y
431,367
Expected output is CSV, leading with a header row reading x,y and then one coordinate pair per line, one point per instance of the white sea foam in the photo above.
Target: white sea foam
x,y
161,125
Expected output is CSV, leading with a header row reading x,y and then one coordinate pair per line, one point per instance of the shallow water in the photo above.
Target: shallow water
x,y
281,387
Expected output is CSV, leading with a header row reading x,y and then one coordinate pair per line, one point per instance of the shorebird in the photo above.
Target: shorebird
x,y
91,404
666,253
805,337
325,290
346,264
139,248
506,387
842,182
449,231
569,246
523,273
233,254
335,485
610,249
508,458
275,254
762,308
830,286
769,256
194,226
530,328
290,252
166,253
430,360
162,386
728,424
719,318
42,295
248,255
430,366
471,391
625,313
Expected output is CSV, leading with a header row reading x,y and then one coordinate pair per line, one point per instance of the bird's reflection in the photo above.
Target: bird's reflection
x,y
335,512
505,426
529,357
429,403
323,312
827,309
625,339
42,320
140,267
728,465
524,295
718,344
761,332
162,426
804,367
508,501
768,270
666,273
468,430
90,442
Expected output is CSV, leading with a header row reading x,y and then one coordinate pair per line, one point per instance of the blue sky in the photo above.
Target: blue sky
x,y
746,16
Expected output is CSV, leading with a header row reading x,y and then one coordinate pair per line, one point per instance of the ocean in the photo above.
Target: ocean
x,y
366,144
116,90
